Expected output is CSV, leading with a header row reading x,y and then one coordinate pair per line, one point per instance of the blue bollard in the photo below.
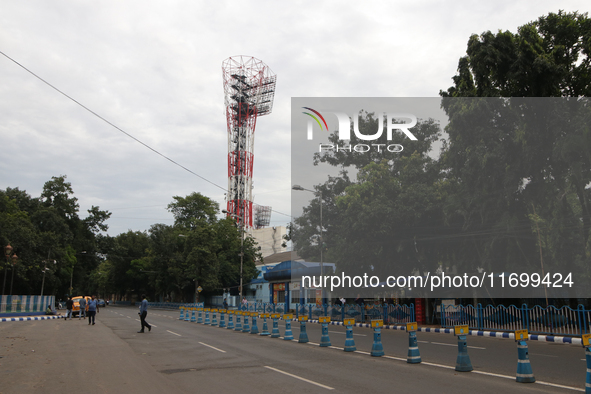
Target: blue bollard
x,y
463,363
245,326
238,323
182,317
303,338
414,356
377,350
324,339
588,380
214,320
207,321
349,341
187,316
288,334
200,315
193,320
265,331
222,321
524,371
230,320
254,329
275,330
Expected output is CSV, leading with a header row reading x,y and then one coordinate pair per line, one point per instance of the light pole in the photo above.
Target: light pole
x,y
241,247
14,258
44,270
300,188
7,253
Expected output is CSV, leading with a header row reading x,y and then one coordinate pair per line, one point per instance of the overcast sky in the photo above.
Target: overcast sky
x,y
153,69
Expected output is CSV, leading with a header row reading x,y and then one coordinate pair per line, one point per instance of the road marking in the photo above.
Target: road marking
x,y
396,358
300,378
179,335
453,344
153,325
215,348
344,333
540,354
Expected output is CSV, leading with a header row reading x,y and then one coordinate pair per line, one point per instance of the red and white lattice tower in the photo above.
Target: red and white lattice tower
x,y
249,89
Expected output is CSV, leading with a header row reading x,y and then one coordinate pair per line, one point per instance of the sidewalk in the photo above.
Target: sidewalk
x,y
59,356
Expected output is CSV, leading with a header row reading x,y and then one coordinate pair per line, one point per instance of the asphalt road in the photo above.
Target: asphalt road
x,y
179,356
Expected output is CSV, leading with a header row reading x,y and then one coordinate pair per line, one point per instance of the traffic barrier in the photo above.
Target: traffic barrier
x,y
253,317
193,319
586,341
238,325
414,356
349,341
524,371
245,326
182,317
324,339
187,317
275,330
303,338
288,334
222,321
230,320
214,320
463,363
265,331
200,315
207,322
377,350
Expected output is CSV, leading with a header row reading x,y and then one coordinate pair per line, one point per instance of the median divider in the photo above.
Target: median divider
x,y
253,317
207,322
586,341
288,334
349,341
214,320
222,321
245,326
182,316
303,338
324,339
230,319
414,356
377,349
463,363
524,371
275,330
265,331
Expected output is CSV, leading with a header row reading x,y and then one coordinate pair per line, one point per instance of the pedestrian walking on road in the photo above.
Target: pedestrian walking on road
x,y
69,307
82,311
143,313
92,309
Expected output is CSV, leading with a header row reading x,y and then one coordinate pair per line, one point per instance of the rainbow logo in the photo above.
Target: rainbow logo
x,y
316,119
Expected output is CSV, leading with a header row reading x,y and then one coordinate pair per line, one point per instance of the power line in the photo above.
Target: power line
x,y
109,123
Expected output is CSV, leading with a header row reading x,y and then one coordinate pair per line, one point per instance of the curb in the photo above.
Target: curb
x,y
31,318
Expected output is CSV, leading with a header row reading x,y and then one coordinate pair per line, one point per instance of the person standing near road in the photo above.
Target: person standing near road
x,y
92,309
82,304
69,307
143,313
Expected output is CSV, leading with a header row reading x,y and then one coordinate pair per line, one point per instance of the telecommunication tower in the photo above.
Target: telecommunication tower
x,y
249,89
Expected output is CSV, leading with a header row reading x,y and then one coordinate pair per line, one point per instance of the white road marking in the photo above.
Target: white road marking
x,y
453,344
178,335
344,333
300,378
214,348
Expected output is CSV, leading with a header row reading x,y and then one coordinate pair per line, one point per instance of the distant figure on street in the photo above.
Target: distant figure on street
x,y
225,303
82,311
92,309
143,313
69,307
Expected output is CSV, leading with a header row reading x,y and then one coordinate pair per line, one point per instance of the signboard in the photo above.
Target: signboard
x,y
200,309
206,309
231,311
214,310
287,316
303,318
264,315
275,315
324,319
461,330
222,311
348,322
377,323
411,326
586,340
521,335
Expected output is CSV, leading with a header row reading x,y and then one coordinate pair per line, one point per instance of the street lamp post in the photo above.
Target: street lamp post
x,y
44,270
241,247
300,188
7,253
14,260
